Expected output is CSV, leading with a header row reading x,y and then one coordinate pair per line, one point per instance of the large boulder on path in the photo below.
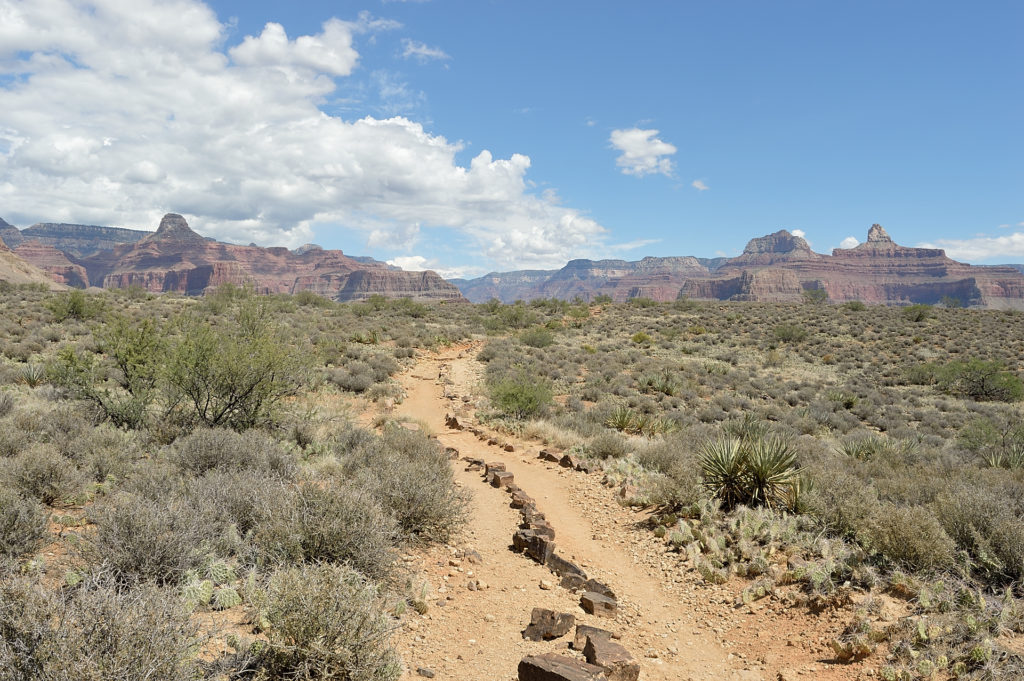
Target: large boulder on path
x,y
547,624
554,667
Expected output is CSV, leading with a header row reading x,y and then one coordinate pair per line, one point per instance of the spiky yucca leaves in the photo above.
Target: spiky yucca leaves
x,y
771,472
755,471
723,464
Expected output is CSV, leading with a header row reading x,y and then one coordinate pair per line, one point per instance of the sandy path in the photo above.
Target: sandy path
x,y
476,634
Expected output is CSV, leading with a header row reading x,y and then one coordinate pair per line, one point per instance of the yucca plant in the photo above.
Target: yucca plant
x,y
622,418
723,465
771,472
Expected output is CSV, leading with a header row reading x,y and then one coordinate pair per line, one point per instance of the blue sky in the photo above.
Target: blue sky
x,y
471,136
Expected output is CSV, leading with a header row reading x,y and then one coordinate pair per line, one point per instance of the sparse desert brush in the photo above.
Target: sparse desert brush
x,y
321,621
95,631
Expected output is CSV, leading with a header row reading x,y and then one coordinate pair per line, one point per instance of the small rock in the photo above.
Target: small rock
x,y
546,585
425,671
547,624
598,605
489,618
554,667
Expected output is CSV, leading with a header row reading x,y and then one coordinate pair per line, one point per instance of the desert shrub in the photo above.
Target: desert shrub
x,y
979,380
323,622
146,540
520,394
43,474
912,537
789,333
75,304
94,633
539,337
815,296
311,299
233,376
680,483
83,376
984,520
208,449
22,524
409,474
355,376
6,403
607,446
242,498
916,313
330,523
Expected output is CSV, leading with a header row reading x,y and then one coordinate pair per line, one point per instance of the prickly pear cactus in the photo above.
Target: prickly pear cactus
x,y
225,597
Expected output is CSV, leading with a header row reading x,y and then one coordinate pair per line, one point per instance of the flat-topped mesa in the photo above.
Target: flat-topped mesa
x,y
780,247
174,227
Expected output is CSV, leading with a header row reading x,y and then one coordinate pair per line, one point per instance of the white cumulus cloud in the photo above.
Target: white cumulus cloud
x,y
115,112
418,263
699,185
849,242
642,152
1006,247
329,52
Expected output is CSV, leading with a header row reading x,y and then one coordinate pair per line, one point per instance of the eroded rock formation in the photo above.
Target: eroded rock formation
x,y
779,267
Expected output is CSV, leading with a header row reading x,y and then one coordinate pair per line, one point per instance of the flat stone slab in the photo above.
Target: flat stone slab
x,y
598,605
493,467
547,624
554,667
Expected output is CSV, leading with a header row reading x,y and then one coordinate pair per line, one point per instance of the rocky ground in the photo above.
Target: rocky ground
x,y
482,593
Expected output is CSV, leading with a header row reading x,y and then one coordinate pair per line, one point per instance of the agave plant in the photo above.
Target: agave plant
x,y
723,464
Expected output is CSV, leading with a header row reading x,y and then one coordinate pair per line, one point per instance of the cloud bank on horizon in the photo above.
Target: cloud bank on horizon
x,y
116,112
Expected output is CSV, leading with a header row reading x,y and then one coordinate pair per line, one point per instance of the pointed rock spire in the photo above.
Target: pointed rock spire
x,y
877,234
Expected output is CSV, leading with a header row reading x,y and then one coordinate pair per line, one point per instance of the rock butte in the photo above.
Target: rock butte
x,y
176,258
778,267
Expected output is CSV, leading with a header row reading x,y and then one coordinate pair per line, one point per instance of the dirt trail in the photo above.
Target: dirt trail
x,y
674,627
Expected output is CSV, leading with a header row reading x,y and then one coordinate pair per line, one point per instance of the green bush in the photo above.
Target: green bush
x,y
979,380
74,304
95,633
789,333
539,337
233,376
323,622
520,395
22,524
916,313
